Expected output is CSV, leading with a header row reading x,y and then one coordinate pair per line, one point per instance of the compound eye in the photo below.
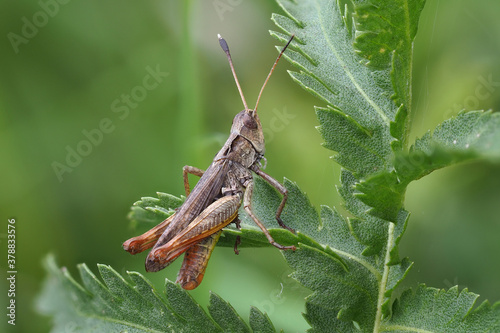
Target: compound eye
x,y
249,121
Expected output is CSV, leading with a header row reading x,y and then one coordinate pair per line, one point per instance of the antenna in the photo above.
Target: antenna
x,y
271,72
225,48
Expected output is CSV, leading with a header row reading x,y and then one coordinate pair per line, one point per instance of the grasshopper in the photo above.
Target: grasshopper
x,y
196,226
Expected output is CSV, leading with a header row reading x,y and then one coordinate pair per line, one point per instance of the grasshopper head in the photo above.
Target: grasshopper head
x,y
247,124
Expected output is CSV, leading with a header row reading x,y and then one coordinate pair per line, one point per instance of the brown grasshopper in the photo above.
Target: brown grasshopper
x,y
196,226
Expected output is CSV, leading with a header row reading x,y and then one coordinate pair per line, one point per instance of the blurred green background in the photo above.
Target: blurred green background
x,y
75,70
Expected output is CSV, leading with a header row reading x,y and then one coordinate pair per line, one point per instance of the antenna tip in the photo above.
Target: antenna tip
x,y
223,44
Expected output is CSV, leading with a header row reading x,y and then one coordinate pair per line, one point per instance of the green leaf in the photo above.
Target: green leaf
x,y
358,97
362,70
94,307
332,260
121,306
360,64
469,136
150,211
432,310
384,38
225,315
260,322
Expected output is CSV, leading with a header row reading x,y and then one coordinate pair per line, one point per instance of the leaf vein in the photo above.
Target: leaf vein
x,y
385,276
362,262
